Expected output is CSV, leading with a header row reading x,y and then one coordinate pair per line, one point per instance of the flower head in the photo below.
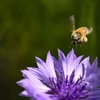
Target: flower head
x,y
68,78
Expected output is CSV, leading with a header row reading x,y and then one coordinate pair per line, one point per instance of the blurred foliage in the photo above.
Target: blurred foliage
x,y
30,28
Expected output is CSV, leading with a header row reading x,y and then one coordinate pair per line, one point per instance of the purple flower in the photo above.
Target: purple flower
x,y
68,78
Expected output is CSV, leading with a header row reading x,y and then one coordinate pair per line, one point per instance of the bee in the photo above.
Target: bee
x,y
78,36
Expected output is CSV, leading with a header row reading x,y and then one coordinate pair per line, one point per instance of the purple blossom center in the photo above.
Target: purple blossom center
x,y
67,89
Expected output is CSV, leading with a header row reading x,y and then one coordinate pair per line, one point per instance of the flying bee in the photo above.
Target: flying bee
x,y
78,36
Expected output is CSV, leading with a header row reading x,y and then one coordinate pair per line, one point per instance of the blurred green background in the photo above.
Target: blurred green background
x,y
30,28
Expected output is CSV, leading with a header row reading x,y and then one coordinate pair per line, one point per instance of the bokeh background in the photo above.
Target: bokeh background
x,y
30,28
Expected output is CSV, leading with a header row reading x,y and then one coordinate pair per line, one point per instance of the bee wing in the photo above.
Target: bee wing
x,y
72,22
90,30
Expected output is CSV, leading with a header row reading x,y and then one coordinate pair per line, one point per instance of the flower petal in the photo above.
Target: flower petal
x,y
62,60
50,64
32,82
38,74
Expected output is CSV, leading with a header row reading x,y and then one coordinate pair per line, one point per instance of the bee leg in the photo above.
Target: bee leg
x,y
85,39
70,44
81,45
